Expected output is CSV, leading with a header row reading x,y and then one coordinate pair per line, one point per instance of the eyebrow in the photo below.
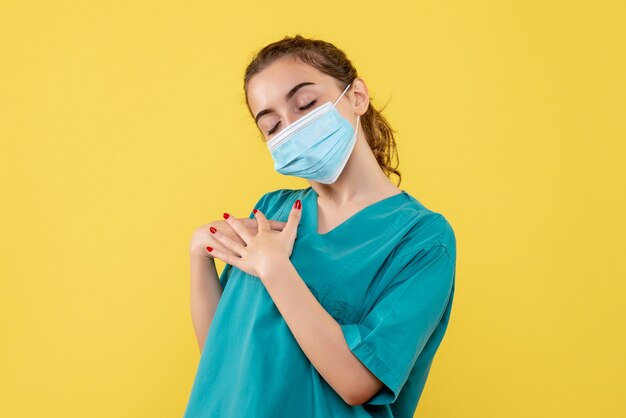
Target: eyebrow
x,y
288,96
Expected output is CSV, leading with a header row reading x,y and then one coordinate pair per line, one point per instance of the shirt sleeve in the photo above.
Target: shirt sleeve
x,y
391,336
261,205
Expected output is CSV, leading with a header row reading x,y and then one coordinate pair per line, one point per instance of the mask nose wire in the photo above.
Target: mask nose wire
x,y
341,95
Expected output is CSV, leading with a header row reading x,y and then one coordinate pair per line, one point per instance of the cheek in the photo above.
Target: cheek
x,y
348,115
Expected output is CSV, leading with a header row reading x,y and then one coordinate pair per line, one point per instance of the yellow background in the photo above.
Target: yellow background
x,y
123,128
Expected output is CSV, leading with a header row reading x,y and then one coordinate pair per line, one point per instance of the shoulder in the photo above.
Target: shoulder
x,y
427,230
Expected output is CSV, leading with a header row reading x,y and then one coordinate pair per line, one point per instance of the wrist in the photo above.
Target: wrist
x,y
275,270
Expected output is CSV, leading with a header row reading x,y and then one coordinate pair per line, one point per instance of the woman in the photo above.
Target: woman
x,y
335,297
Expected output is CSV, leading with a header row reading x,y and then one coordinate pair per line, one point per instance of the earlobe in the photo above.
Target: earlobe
x,y
365,103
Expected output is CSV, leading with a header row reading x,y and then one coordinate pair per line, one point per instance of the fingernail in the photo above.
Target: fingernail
x,y
226,215
212,230
209,249
298,205
254,211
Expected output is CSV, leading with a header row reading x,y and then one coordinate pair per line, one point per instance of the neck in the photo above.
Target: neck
x,y
361,179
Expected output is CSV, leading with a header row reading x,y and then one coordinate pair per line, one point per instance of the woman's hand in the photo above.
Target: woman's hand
x,y
258,250
202,237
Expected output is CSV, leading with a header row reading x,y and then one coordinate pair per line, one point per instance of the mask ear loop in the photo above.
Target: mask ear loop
x,y
358,116
340,96
356,131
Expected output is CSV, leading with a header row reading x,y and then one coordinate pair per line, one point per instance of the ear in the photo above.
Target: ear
x,y
360,96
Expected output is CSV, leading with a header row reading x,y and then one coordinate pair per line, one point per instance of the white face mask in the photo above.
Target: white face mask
x,y
316,146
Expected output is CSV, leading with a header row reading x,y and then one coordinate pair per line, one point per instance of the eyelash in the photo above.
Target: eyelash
x,y
305,107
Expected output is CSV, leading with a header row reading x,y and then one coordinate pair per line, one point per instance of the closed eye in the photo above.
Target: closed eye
x,y
305,107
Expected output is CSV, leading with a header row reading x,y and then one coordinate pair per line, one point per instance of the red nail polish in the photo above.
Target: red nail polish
x,y
209,249
212,230
298,204
226,215
255,211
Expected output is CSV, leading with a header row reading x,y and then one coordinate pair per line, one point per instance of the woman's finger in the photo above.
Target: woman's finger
x,y
227,241
264,225
207,238
238,227
227,258
294,219
251,223
277,225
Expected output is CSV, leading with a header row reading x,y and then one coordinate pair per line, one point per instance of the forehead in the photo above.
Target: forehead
x,y
269,86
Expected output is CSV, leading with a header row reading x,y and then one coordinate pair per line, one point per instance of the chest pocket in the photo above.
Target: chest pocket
x,y
343,312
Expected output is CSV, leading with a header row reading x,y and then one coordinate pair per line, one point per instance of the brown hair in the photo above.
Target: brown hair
x,y
330,60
